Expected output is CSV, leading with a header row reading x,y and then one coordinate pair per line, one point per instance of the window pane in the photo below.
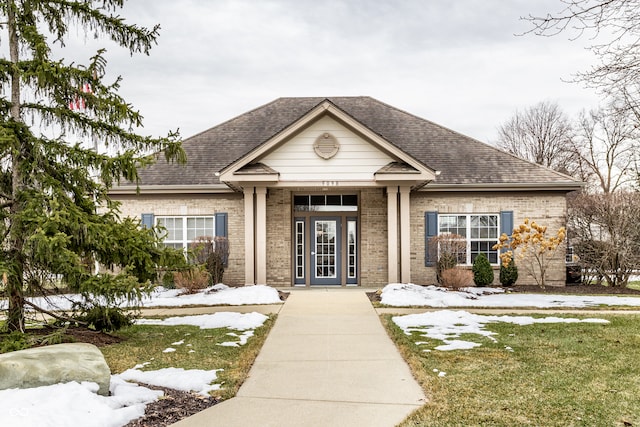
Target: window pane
x,y
350,200
334,200
479,232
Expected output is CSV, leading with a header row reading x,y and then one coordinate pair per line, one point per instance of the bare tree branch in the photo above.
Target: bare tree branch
x,y
541,134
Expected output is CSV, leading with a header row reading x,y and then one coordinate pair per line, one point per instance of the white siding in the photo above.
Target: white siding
x,y
356,160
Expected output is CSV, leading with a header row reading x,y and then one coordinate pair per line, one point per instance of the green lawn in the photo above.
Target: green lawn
x,y
145,343
557,375
634,285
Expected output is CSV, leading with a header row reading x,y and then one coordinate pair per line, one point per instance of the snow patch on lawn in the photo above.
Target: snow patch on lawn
x,y
224,319
448,325
407,295
75,404
216,295
197,380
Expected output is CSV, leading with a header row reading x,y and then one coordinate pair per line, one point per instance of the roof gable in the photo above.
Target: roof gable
x,y
462,161
359,153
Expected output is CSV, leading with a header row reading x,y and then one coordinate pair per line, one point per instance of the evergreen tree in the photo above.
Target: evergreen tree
x,y
56,220
508,273
482,271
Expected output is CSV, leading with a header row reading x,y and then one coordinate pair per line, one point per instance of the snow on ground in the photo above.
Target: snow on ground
x,y
197,380
216,295
223,319
74,404
78,404
405,295
448,325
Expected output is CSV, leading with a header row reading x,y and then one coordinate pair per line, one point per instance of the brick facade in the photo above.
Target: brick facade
x,y
279,233
197,204
548,208
374,270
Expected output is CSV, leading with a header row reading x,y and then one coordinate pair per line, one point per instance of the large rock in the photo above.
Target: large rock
x,y
54,364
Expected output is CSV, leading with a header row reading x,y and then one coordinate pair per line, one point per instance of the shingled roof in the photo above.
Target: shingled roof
x,y
461,160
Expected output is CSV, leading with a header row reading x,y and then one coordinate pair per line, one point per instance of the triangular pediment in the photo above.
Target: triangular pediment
x,y
327,145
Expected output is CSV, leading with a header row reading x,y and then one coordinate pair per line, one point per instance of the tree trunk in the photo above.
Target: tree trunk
x,y
15,315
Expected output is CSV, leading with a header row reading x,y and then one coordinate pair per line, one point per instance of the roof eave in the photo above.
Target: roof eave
x,y
170,189
524,186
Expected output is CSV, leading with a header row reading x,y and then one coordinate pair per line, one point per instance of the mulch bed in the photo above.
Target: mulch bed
x,y
172,407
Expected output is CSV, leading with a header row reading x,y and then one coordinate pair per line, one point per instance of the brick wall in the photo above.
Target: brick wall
x,y
546,208
374,269
279,232
198,204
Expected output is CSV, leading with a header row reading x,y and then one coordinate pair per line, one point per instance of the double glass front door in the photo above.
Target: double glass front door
x,y
328,255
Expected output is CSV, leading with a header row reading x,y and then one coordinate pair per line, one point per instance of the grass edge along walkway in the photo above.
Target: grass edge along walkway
x,y
558,374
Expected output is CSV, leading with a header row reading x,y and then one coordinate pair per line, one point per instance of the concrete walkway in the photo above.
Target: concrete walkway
x,y
327,362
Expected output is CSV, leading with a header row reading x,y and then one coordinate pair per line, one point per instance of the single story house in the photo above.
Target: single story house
x,y
343,191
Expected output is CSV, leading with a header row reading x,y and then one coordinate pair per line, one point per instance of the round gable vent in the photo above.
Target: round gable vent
x,y
326,146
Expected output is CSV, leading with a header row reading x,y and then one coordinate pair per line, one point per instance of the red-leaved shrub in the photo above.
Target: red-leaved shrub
x,y
457,278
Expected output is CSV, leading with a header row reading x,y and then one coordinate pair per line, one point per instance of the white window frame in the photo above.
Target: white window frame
x,y
185,241
467,236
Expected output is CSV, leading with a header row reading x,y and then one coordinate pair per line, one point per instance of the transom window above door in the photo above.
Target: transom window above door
x,y
326,203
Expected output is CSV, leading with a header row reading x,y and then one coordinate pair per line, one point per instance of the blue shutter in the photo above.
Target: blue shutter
x,y
506,224
431,230
221,224
147,220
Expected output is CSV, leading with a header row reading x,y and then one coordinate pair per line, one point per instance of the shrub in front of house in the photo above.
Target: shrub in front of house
x,y
446,249
482,271
456,278
447,261
191,280
508,274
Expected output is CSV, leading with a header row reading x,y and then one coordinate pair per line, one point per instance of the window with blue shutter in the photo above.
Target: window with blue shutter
x,y
506,224
221,224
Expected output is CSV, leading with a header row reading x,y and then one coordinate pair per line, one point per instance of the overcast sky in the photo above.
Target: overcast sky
x,y
458,63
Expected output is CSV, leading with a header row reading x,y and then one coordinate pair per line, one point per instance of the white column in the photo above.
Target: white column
x,y
392,233
261,235
405,235
249,246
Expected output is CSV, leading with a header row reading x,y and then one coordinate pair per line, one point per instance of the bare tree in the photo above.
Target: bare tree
x,y
605,232
541,134
614,27
606,144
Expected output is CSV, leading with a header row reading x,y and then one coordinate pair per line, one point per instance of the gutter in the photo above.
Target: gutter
x,y
525,186
170,189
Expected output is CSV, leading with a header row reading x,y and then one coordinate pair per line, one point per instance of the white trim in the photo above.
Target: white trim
x,y
392,233
228,173
469,239
185,228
